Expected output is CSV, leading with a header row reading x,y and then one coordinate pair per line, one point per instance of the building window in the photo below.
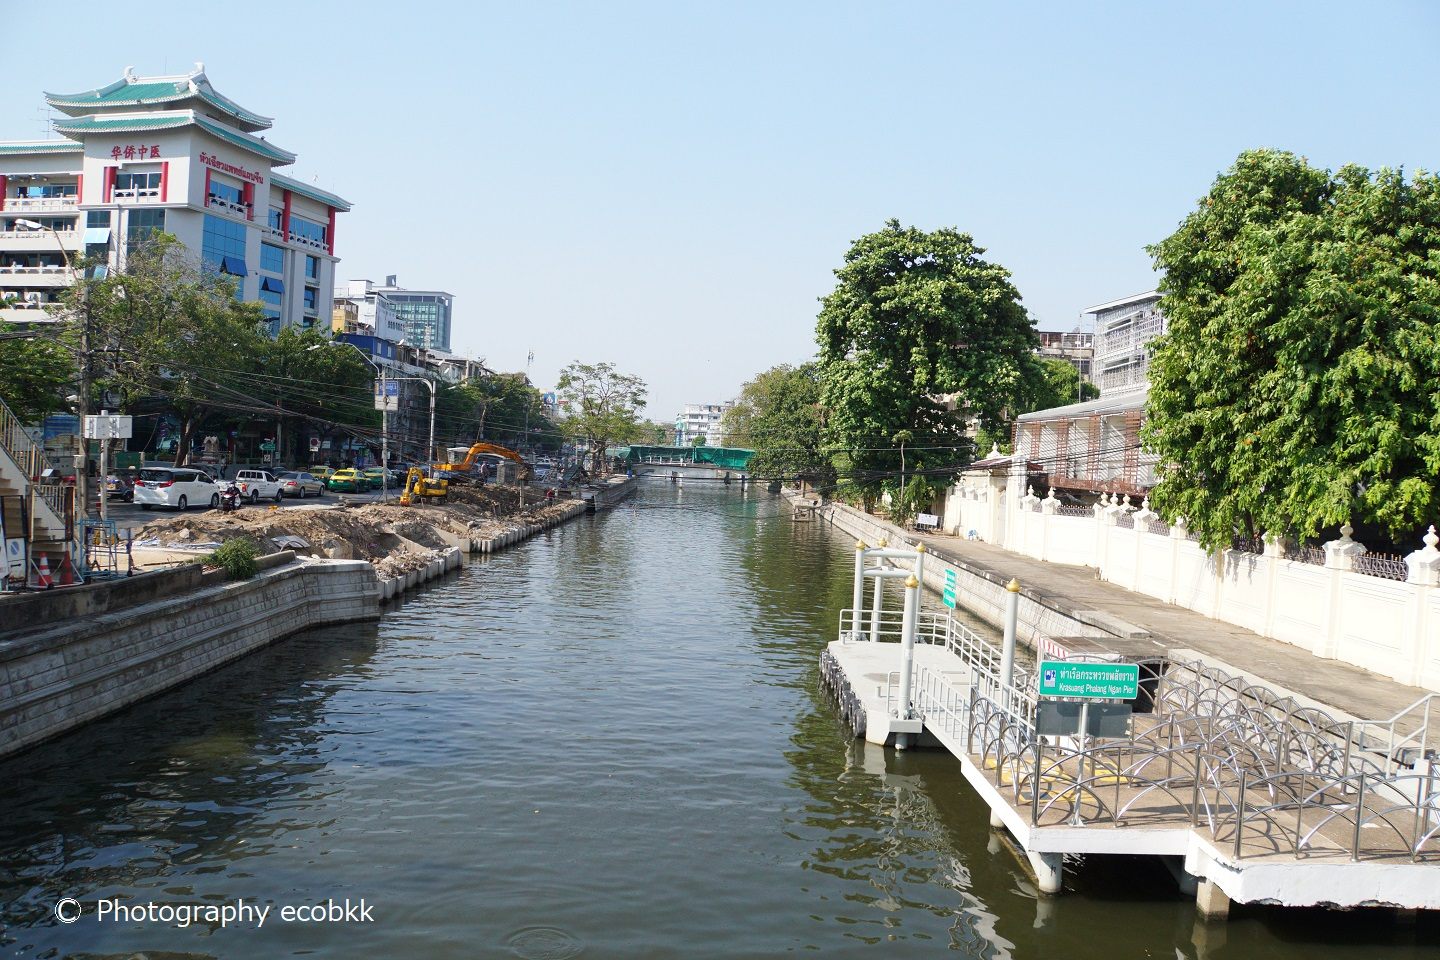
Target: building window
x,y
312,267
307,231
46,191
224,240
137,184
225,192
141,224
311,296
272,258
277,219
270,300
58,224
97,218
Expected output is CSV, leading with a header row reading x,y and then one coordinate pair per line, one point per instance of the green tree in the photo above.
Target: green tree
x,y
602,405
496,407
36,373
166,327
915,319
779,415
312,380
1060,384
1295,388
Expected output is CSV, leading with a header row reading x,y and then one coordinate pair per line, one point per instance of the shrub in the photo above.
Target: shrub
x,y
236,557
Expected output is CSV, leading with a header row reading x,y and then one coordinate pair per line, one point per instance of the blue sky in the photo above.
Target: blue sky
x,y
668,186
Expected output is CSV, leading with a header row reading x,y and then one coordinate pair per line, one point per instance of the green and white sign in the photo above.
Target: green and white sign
x,y
948,594
1091,681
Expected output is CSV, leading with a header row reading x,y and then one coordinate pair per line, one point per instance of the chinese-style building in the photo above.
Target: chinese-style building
x,y
170,153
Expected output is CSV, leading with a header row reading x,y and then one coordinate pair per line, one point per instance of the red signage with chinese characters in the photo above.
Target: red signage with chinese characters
x,y
136,151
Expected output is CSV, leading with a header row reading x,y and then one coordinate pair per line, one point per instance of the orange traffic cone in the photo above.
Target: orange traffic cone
x,y
42,579
67,570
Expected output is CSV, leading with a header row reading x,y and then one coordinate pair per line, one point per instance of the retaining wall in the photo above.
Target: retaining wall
x,y
443,563
511,537
58,677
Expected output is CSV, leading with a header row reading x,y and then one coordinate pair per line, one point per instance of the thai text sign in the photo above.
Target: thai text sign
x,y
1092,681
948,594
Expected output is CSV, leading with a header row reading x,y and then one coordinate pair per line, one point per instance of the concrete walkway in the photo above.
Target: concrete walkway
x,y
1163,627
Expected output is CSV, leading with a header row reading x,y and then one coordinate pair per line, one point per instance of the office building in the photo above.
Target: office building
x,y
171,153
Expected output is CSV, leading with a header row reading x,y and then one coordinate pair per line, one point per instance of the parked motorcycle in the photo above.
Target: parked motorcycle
x,y
229,498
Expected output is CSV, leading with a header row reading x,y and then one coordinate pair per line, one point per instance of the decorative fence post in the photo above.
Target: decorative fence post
x,y
1339,559
1424,573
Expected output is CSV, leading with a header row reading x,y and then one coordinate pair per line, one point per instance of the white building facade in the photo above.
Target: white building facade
x,y
172,154
701,420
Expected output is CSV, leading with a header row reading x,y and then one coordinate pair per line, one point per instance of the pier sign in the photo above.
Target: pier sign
x,y
1092,681
948,594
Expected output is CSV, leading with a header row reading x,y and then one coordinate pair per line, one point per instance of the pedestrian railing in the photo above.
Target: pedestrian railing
x,y
1259,772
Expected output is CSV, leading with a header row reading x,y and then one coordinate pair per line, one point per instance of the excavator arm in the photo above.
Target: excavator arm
x,y
482,448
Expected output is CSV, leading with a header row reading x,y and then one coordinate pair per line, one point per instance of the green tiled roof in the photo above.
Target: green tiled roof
x,y
314,193
247,142
159,121
125,93
169,121
40,146
171,90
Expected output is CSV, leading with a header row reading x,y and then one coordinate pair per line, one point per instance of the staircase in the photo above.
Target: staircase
x,y
41,512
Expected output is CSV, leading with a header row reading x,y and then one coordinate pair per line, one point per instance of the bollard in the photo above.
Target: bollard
x,y
1007,655
907,638
857,608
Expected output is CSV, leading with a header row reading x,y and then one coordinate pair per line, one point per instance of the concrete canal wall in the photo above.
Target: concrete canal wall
x,y
980,591
57,677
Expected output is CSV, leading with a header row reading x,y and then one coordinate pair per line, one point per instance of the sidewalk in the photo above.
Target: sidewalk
x,y
1163,627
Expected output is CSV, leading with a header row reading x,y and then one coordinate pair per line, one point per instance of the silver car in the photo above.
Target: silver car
x,y
301,485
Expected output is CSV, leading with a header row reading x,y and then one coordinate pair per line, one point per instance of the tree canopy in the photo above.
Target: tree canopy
x,y
1295,387
602,405
167,326
36,372
916,318
779,416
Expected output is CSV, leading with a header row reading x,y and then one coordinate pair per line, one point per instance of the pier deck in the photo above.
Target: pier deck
x,y
1259,799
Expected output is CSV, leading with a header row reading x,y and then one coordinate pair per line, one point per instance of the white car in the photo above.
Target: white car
x,y
178,487
257,485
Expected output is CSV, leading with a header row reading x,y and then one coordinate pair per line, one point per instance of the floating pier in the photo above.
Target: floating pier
x,y
1251,796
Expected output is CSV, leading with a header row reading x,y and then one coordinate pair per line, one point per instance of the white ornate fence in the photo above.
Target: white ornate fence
x,y
1380,613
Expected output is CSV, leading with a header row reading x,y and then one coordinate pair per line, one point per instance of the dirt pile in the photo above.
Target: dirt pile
x,y
395,539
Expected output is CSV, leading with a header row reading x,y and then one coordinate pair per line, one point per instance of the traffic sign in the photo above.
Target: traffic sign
x,y
1089,681
108,427
387,395
268,446
948,594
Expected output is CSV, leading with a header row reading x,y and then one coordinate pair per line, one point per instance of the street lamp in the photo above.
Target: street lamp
x,y
385,414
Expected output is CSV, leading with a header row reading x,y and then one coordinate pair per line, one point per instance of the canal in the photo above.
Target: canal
x,y
609,742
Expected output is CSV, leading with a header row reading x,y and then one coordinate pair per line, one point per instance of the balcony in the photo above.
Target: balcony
x,y
37,241
10,269
214,202
307,241
138,195
38,204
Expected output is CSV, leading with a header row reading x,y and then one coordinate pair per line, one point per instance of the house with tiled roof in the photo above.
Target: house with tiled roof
x,y
167,153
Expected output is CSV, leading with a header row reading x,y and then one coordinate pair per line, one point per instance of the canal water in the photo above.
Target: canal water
x,y
609,742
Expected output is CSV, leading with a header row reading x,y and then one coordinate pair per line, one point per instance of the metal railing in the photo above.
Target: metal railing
x,y
1260,772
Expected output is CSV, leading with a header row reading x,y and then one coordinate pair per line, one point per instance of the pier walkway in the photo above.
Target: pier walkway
x,y
1161,627
1253,796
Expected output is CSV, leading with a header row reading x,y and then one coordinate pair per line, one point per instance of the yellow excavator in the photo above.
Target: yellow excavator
x,y
461,468
419,488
